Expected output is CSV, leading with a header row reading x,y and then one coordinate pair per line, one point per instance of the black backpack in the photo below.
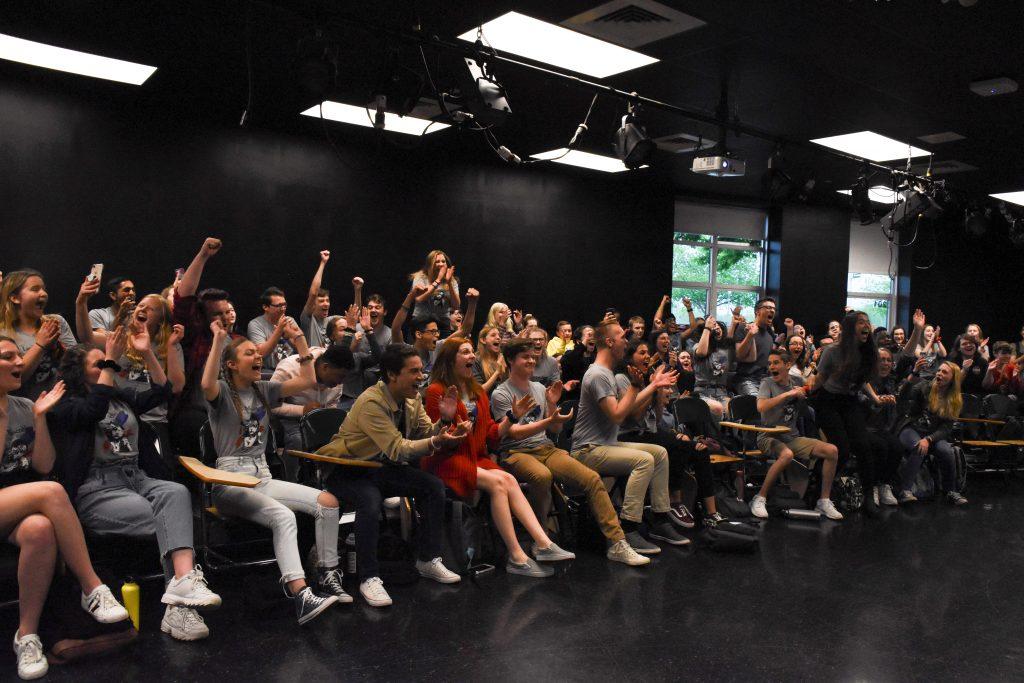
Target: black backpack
x,y
467,539
783,498
731,538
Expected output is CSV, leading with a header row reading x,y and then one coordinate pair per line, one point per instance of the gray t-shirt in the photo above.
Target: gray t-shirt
x,y
260,330
438,305
647,423
45,374
710,370
782,415
102,318
502,400
116,437
316,329
360,378
764,341
828,373
134,375
592,426
18,441
237,435
547,370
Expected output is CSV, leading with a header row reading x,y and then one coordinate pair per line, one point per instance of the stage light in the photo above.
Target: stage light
x,y
976,222
861,202
363,116
73,61
485,96
631,143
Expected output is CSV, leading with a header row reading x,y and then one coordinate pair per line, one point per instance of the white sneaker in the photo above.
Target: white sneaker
x,y
827,508
758,508
907,497
885,495
437,571
373,592
183,623
102,605
620,551
31,660
190,590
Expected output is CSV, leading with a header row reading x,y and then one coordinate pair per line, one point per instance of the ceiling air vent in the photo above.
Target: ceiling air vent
x,y
632,23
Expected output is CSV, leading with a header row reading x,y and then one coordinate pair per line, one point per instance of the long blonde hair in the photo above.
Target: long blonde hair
x,y
493,313
489,362
160,339
9,311
947,403
429,271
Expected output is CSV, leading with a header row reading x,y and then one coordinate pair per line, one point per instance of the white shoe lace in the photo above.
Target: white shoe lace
x,y
375,587
198,580
30,651
190,618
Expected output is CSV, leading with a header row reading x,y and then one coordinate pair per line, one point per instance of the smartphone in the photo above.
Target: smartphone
x,y
96,273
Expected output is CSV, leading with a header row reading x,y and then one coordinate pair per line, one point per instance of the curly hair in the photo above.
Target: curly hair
x,y
72,370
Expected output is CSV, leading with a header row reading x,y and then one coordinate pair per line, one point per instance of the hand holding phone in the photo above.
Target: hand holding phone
x,y
96,272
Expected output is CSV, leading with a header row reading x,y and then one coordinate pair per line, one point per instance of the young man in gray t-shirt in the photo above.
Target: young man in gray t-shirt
x,y
530,455
778,401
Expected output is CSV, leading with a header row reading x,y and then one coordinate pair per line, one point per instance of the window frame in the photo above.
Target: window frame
x,y
877,296
712,286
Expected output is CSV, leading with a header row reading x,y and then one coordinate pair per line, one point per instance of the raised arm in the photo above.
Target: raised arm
x,y
211,371
466,328
403,312
705,338
83,326
190,280
43,452
317,282
307,376
915,335
175,359
660,311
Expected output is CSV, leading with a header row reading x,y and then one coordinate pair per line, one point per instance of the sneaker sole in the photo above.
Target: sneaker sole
x,y
670,541
34,676
343,599
428,575
105,620
310,616
646,551
638,562
179,601
178,634
377,603
554,558
530,574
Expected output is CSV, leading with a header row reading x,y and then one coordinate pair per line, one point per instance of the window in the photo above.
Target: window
x,y
718,272
870,285
873,294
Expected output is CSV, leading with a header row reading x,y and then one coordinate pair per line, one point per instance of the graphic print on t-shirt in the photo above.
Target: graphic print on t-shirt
x,y
281,351
789,412
17,449
117,434
717,366
136,373
250,431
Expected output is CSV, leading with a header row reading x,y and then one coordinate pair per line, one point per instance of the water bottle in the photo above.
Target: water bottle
x,y
130,597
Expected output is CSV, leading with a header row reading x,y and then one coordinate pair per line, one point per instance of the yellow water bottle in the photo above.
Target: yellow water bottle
x,y
130,597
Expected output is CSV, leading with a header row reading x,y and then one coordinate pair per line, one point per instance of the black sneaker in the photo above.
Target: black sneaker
x,y
664,531
681,516
309,605
329,583
712,521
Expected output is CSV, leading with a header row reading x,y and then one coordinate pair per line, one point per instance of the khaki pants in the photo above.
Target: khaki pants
x,y
646,464
539,466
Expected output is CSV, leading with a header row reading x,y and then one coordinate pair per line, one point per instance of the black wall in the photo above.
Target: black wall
x,y
139,189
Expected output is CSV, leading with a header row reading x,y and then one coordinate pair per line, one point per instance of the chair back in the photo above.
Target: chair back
x,y
694,414
972,406
318,427
998,406
744,409
207,449
564,438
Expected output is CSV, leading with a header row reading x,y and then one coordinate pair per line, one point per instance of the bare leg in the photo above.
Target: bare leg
x,y
709,505
34,535
183,561
493,484
49,499
780,464
829,455
294,587
523,511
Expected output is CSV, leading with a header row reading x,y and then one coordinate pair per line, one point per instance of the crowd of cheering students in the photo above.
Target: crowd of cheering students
x,y
103,412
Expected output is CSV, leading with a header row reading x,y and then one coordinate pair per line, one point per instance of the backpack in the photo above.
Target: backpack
x,y
727,504
467,539
847,492
783,498
723,539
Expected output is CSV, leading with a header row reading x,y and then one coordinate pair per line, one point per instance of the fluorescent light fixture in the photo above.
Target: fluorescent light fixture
x,y
552,44
872,146
1010,197
880,194
362,116
73,61
594,162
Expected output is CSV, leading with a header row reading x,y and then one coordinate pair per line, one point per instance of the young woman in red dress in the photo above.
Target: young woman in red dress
x,y
470,468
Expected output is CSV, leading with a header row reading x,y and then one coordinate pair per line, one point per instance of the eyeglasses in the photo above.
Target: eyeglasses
x,y
431,332
280,305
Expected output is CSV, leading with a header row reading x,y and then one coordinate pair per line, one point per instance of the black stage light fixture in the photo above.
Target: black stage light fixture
x,y
316,65
631,143
861,201
976,222
485,97
401,86
915,205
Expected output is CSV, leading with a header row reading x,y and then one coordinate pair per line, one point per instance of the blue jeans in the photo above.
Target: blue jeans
x,y
943,453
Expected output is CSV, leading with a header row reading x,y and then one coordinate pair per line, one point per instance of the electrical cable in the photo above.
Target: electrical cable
x,y
248,61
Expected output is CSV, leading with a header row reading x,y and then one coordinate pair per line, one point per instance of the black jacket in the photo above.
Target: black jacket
x,y
73,425
918,417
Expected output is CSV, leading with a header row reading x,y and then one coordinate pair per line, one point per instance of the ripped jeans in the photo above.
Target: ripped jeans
x,y
272,504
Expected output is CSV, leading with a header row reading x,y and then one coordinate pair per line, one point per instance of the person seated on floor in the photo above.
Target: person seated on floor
x,y
239,414
926,427
267,331
121,294
316,312
778,400
646,423
1002,374
388,424
575,362
547,371
330,367
439,291
36,516
116,479
753,344
528,453
489,369
469,468
880,421
562,341
603,407
710,365
41,338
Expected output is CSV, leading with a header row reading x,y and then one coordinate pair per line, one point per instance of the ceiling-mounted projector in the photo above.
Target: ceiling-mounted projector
x,y
719,166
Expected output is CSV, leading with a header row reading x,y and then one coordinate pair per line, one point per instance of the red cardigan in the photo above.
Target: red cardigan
x,y
457,469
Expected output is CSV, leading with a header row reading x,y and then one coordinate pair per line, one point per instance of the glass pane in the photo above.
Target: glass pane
x,y
691,264
740,241
699,298
735,267
690,237
877,309
869,282
727,300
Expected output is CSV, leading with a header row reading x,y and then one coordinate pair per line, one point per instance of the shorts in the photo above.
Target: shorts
x,y
801,446
713,392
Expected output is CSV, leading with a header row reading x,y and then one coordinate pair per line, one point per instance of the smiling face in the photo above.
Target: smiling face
x,y
863,328
230,316
974,329
637,328
125,290
464,360
641,358
834,330
492,340
899,336
11,366
322,306
376,310
766,313
427,339
537,338
565,332
799,331
405,384
150,312
968,347
276,308
440,260
31,298
686,361
796,346
943,376
777,367
884,362
455,316
244,363
929,333
663,343
523,365
501,315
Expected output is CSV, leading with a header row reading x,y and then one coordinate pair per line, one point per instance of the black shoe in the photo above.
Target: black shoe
x,y
664,531
329,583
712,521
309,605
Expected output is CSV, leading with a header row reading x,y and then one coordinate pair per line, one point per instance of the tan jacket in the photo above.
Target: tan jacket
x,y
370,431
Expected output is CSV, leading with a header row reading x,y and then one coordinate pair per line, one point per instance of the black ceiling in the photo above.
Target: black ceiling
x,y
801,69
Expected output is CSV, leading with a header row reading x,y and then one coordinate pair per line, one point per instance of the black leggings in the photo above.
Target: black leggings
x,y
890,453
842,420
680,455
